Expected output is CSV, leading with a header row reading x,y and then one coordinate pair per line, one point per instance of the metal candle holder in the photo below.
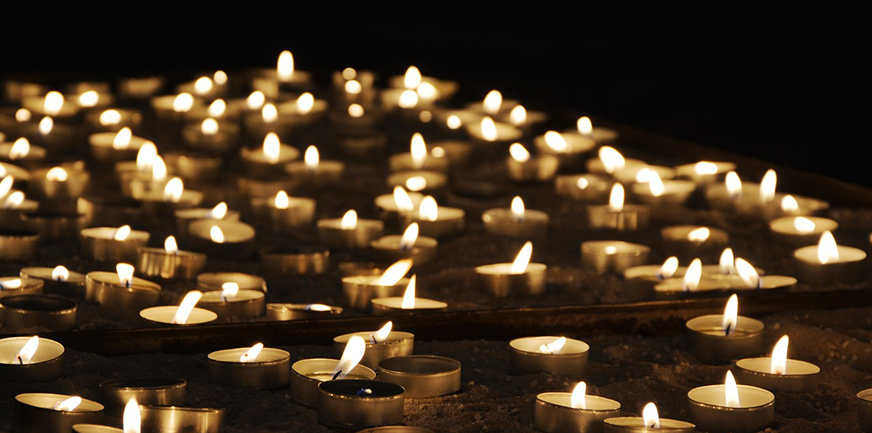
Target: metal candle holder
x,y
397,343
53,313
526,358
35,413
422,376
360,290
105,289
554,413
149,391
174,419
271,368
307,374
713,346
46,365
343,403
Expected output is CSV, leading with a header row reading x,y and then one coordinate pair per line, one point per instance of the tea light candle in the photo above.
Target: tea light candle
x,y
405,304
380,345
413,80
140,87
828,262
731,408
705,172
560,356
693,241
233,302
184,217
612,256
120,290
42,412
285,312
437,221
147,391
313,172
169,262
523,167
791,205
307,374
567,148
599,134
256,366
304,260
422,376
113,147
58,280
359,290
356,403
21,152
618,215
174,107
583,187
420,157
392,208
212,136
723,338
30,360
13,207
212,281
519,278
800,231
51,226
611,162
649,422
112,245
18,245
391,248
193,167
656,273
222,238
691,281
419,181
13,286
182,315
113,119
349,232
516,221
52,103
50,312
489,132
747,278
64,182
162,204
652,190
864,409
178,419
565,412
270,159
778,373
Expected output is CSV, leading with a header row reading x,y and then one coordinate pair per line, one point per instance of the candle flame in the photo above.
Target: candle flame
x,y
731,315
429,209
412,78
517,209
655,184
616,198
255,100
170,245
45,125
14,200
122,139
131,419
305,103
748,274
789,204
395,272
650,416
25,355
778,363
518,115
828,250
416,183
250,355
229,290
668,268
349,73
183,102
10,284
699,234
612,159
409,295
453,122
584,125
271,148
488,129
110,117
692,276
311,158
209,126
382,334
216,235
767,186
556,141
121,233
349,220
20,148
89,98
519,265
125,273
56,174
553,347
643,175
186,307
220,77
427,92
408,99
355,110
492,102
22,115
6,185
803,225
145,157
731,391
69,404
203,85
727,262
54,101
318,307
705,168
60,273
418,150
282,201
410,236
285,65
519,153
158,169
353,87
219,211
733,185
269,113
610,250
351,356
577,400
173,190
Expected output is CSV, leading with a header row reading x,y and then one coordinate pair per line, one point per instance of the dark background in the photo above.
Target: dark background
x,y
785,85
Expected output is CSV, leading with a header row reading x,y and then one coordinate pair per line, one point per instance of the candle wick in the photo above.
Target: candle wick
x,y
660,276
20,361
364,391
336,375
372,339
728,330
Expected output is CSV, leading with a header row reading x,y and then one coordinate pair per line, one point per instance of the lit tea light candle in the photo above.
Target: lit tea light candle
x,y
22,152
287,213
524,118
215,281
204,87
211,135
58,280
777,372
569,412
617,215
256,366
222,238
409,302
18,244
131,421
313,172
356,403
13,286
382,344
174,107
392,208
113,119
42,412
731,408
612,256
120,290
583,187
307,374
691,281
560,356
419,158
349,232
419,181
285,312
800,231
111,244
184,217
304,111
62,182
523,167
515,221
92,98
599,134
519,278
169,262
119,394
359,290
828,262
115,146
176,418
269,159
159,204
568,148
747,278
693,241
148,174
287,73
611,162
52,103
186,313
408,245
656,273
653,191
794,205
13,206
723,338
650,421
487,131
422,376
30,360
230,301
49,312
414,80
705,172
437,221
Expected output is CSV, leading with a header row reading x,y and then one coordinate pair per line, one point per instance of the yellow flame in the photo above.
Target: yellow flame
x,y
616,198
351,356
416,183
803,225
282,201
699,235
6,185
14,200
767,186
25,355
173,190
110,117
251,354
778,363
219,211
186,307
668,268
145,157
22,115
655,184
492,102
584,125
216,235
170,245
45,125
576,399
318,307
644,175
271,148
305,103
705,168
418,150
731,391
412,78
54,101
747,272
828,250
408,99
20,148
203,85
409,295
10,284
610,250
692,276
427,92
727,262
488,129
453,122
158,169
650,416
69,404
121,233
353,87
122,138
285,65
519,153
355,110
429,209
209,126
612,159
731,315
60,273
255,100
789,204
349,220
733,185
518,115
553,347
349,73
229,290
131,419
517,209
89,98
269,113
217,108
183,102
410,236
395,272
125,273
402,200
556,141
311,158
383,332
220,77
519,265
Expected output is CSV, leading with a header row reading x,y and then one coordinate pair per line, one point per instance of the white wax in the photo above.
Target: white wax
x,y
36,153
211,281
650,271
107,139
393,337
591,402
505,131
639,423
49,401
794,367
712,324
286,154
809,254
670,188
234,231
215,297
392,242
95,428
165,314
680,234
504,216
23,283
676,285
787,226
108,233
575,143
631,168
506,269
532,345
614,248
386,201
266,355
204,214
290,109
715,395
43,273
362,224
434,179
45,351
396,303
689,170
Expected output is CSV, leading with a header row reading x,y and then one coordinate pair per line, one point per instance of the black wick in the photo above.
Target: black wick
x,y
20,361
363,392
728,329
336,375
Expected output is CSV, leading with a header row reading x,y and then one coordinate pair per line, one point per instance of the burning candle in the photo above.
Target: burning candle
x,y
572,412
177,419
693,241
489,132
169,262
52,103
722,338
422,376
656,273
314,172
617,215
13,286
215,281
731,408
420,157
612,256
285,312
50,312
382,344
649,422
583,187
690,281
149,391
114,119
611,162
230,301
161,204
419,181
30,359
306,374
256,366
516,221
184,314
120,290
599,134
211,135
407,303
437,221
184,217
303,260
356,403
777,372
112,245
705,172
64,182
524,167
270,159
22,152
828,262
58,280
567,148
359,290
392,208
115,146
222,238
560,356
519,278
794,205
409,245
800,231
349,232
41,412
652,190
747,278
287,75
433,88
174,107
288,213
